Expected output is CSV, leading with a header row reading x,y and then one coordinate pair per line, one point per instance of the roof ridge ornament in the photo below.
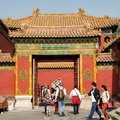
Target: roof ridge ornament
x,y
24,26
36,11
106,17
81,11
9,18
87,26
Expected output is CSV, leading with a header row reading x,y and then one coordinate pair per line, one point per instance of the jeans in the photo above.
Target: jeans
x,y
93,109
61,106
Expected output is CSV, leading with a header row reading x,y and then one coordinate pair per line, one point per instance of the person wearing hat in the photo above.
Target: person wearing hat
x,y
60,97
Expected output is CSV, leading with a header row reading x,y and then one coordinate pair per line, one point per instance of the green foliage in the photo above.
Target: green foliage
x,y
116,33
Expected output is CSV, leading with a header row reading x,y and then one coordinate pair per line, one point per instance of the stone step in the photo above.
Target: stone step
x,y
115,117
115,114
118,113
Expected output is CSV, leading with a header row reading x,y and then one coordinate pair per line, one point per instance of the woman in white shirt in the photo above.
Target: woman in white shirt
x,y
76,98
105,99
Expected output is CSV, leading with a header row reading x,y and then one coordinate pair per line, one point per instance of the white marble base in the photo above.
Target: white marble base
x,y
11,106
23,102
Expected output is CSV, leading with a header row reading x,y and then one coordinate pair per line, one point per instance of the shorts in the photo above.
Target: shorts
x,y
48,107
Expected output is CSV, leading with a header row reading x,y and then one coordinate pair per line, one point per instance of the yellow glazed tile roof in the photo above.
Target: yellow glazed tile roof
x,y
106,57
56,65
56,32
6,57
107,45
59,24
62,19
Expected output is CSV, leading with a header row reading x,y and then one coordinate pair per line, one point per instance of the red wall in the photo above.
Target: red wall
x,y
88,63
108,78
119,77
7,82
49,76
23,64
5,45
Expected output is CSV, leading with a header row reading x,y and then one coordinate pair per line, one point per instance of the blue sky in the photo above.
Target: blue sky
x,y
23,8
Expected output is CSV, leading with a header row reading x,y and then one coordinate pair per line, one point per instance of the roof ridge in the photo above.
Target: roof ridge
x,y
61,19
60,14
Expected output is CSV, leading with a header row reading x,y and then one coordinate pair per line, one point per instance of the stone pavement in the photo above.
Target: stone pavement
x,y
115,114
38,114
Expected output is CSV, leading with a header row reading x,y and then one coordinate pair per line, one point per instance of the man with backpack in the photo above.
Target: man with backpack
x,y
60,97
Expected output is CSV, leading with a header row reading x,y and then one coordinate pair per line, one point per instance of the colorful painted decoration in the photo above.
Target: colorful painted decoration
x,y
18,92
23,74
88,74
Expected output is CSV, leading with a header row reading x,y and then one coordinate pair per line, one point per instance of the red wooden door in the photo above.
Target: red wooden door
x,y
35,84
76,72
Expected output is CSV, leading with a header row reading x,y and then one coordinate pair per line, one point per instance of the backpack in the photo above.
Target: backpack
x,y
61,94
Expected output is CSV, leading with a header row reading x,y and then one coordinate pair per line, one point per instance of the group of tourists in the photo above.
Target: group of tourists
x,y
58,99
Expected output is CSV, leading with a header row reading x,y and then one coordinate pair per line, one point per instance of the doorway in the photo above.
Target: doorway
x,y
48,68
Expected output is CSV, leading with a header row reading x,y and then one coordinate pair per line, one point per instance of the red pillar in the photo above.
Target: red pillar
x,y
102,41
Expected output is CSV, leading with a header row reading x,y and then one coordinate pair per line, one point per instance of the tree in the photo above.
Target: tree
x,y
116,33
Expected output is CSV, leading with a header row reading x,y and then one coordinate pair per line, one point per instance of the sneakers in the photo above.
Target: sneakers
x,y
62,115
109,118
47,115
74,113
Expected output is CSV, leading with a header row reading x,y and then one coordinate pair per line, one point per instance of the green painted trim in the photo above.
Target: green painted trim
x,y
7,68
54,52
7,64
56,40
111,63
106,67
54,46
